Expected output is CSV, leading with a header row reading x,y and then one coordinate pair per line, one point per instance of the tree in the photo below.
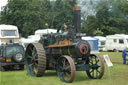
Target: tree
x,y
97,32
30,15
64,13
90,25
111,18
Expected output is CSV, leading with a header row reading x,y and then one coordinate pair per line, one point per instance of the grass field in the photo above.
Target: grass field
x,y
116,75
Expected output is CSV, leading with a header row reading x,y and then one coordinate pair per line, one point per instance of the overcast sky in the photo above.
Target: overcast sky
x,y
3,3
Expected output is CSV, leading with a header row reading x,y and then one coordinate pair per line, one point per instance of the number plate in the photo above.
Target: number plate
x,y
8,60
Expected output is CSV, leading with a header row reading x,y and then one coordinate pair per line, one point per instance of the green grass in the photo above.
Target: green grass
x,y
116,75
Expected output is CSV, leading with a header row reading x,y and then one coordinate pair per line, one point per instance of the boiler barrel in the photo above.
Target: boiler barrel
x,y
79,49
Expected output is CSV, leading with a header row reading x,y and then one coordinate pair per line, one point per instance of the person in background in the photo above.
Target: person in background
x,y
124,54
65,27
65,32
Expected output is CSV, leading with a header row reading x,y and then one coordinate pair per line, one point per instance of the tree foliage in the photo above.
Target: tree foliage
x,y
30,15
111,18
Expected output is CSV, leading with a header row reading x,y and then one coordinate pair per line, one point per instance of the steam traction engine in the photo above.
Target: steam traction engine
x,y
64,52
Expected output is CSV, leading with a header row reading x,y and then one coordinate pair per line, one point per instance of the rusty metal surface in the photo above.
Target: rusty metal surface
x,y
61,44
71,67
52,46
76,8
41,59
35,59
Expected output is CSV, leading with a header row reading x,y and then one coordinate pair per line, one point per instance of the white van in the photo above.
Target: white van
x,y
116,42
31,39
101,42
45,31
9,34
35,38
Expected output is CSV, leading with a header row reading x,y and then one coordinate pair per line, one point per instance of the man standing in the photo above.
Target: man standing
x,y
124,54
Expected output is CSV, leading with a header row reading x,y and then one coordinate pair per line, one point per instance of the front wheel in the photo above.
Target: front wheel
x,y
66,69
96,70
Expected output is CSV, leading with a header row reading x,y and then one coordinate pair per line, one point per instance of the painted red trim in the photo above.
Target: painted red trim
x,y
81,49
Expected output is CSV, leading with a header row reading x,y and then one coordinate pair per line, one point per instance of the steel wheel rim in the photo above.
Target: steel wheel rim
x,y
66,69
96,67
32,60
35,60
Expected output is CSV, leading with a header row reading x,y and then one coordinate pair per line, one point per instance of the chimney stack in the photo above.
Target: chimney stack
x,y
77,19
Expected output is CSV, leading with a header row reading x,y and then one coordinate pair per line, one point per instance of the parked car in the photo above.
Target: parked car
x,y
11,57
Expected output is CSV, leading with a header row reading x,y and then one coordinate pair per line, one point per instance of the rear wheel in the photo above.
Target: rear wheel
x,y
96,67
66,69
35,59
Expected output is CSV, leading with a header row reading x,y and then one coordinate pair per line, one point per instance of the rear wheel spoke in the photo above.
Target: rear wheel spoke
x,y
36,65
30,49
30,65
32,59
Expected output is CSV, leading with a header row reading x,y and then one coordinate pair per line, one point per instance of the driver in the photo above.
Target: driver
x,y
65,30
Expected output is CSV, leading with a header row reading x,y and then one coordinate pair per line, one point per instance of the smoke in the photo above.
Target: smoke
x,y
88,7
